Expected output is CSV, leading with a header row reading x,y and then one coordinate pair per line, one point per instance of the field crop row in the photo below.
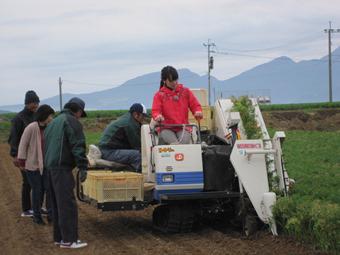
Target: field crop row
x,y
312,212
306,106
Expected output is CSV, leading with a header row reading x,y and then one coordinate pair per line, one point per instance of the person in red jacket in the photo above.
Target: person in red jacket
x,y
171,105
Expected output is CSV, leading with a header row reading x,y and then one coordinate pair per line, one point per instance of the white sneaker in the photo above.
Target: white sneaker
x,y
61,242
74,245
28,213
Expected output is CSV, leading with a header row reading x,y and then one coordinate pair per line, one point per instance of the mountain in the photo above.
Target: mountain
x,y
284,80
287,81
140,89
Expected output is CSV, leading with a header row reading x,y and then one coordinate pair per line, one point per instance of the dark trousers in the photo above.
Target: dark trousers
x,y
25,193
40,187
46,190
35,180
64,206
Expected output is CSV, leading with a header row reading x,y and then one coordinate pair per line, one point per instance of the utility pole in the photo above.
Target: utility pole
x,y
214,94
60,94
210,63
329,31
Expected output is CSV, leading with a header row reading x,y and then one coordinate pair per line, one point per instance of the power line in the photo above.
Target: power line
x,y
110,85
242,55
88,83
276,47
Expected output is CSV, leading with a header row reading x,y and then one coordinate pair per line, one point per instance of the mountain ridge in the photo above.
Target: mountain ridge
x,y
282,79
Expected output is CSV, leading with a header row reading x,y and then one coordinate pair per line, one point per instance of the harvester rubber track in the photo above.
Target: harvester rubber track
x,y
173,218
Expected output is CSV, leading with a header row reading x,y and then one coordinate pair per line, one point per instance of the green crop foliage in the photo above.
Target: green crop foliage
x,y
312,212
114,114
92,137
306,106
244,107
4,130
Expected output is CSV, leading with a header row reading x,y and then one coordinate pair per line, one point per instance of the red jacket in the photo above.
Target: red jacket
x,y
174,105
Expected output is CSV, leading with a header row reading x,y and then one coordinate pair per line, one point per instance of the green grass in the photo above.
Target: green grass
x,y
306,106
105,114
4,130
313,160
92,137
312,212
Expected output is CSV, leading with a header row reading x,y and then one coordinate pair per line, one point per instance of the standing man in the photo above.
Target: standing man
x,y
121,139
64,149
19,123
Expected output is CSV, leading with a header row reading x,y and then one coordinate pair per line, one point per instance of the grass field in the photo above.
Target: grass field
x,y
312,212
306,106
92,137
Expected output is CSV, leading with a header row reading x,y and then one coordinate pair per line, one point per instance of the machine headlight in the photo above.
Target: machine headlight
x,y
168,178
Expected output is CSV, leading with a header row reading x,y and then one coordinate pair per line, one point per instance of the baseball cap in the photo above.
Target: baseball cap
x,y
140,108
80,103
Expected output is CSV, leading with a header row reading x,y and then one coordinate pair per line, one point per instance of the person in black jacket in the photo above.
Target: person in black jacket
x,y
65,148
19,123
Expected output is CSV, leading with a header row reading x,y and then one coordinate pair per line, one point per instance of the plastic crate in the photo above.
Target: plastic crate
x,y
206,122
107,186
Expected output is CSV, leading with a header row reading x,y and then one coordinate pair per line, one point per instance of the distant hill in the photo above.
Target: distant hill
x,y
289,81
283,79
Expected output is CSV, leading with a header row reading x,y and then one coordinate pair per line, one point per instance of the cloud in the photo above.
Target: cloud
x,y
110,42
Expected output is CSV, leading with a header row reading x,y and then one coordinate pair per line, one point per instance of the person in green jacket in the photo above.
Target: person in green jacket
x,y
65,149
121,140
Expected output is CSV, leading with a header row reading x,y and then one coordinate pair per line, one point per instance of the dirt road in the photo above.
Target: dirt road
x,y
119,232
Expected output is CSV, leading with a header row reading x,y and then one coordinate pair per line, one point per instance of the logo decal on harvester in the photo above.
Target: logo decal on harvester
x,y
249,146
179,156
165,149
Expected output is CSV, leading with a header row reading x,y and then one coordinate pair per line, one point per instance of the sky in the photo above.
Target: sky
x,y
96,45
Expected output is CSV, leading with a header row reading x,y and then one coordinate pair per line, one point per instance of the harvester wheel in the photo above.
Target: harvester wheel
x,y
160,217
250,225
173,218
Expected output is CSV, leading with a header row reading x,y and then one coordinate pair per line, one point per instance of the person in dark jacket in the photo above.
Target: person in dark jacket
x,y
121,140
19,123
65,149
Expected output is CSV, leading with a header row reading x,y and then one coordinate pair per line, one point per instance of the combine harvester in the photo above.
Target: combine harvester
x,y
220,174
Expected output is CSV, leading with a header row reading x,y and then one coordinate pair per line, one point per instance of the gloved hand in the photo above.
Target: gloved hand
x,y
159,118
82,175
198,115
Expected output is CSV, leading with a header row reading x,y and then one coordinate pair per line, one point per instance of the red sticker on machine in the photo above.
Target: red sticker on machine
x,y
249,146
179,156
